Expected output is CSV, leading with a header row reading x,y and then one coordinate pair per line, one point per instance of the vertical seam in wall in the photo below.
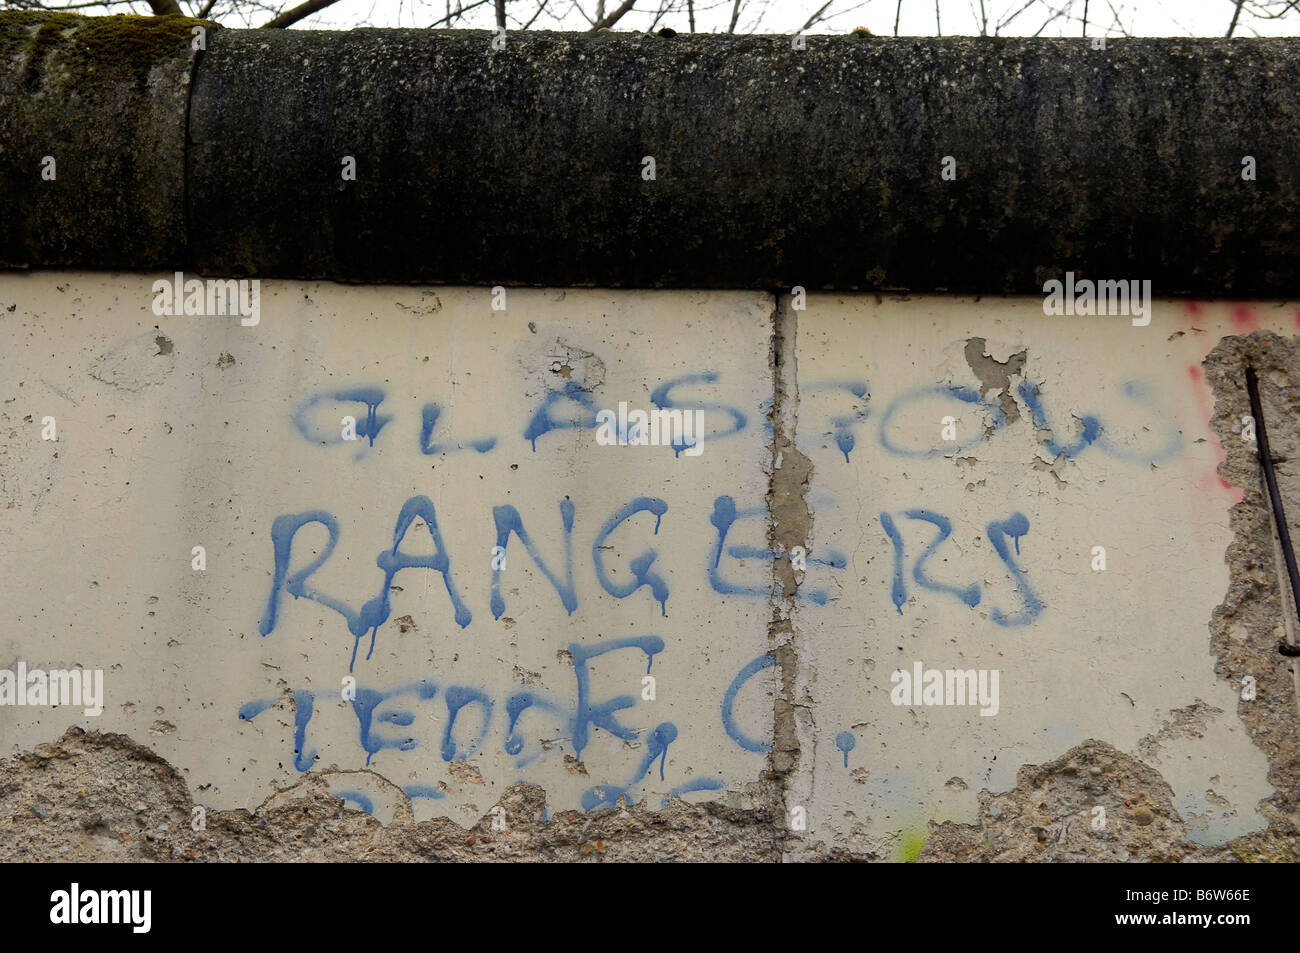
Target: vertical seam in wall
x,y
790,525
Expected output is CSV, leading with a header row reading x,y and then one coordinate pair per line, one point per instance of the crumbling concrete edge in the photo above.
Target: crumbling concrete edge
x,y
1249,629
1247,632
92,796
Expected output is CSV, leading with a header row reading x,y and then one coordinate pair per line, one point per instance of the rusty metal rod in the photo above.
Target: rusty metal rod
x,y
1270,478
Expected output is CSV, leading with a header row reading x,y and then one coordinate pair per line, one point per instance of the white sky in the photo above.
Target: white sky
x,y
916,17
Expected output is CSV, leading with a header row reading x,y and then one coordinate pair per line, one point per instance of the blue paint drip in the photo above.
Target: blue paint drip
x,y
375,612
729,700
663,735
608,795
507,521
846,743
898,592
1015,526
842,424
303,703
283,531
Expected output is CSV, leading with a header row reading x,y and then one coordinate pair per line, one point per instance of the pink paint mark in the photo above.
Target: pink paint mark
x,y
1297,320
1244,319
1193,310
1200,390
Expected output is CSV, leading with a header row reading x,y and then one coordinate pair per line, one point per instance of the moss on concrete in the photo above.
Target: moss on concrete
x,y
108,46
107,99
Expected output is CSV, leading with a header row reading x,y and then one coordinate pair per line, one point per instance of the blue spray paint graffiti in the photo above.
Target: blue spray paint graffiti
x,y
640,565
729,725
543,422
368,427
376,710
1014,527
507,521
429,420
725,515
375,612
661,399
843,426
1094,432
943,447
601,715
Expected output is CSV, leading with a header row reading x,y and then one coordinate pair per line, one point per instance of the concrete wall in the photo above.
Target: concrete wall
x,y
886,482
771,732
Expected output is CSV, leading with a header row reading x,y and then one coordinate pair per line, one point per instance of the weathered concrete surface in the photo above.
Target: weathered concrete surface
x,y
101,797
1087,431
1119,689
773,166
183,432
92,139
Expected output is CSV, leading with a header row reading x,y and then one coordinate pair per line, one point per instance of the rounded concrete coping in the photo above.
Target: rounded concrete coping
x,y
640,160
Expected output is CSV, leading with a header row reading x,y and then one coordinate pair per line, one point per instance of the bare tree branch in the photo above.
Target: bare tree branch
x,y
501,14
1056,14
600,13
815,17
898,15
735,15
289,17
1235,14
606,22
1006,22
1118,22
458,12
165,8
541,8
938,27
